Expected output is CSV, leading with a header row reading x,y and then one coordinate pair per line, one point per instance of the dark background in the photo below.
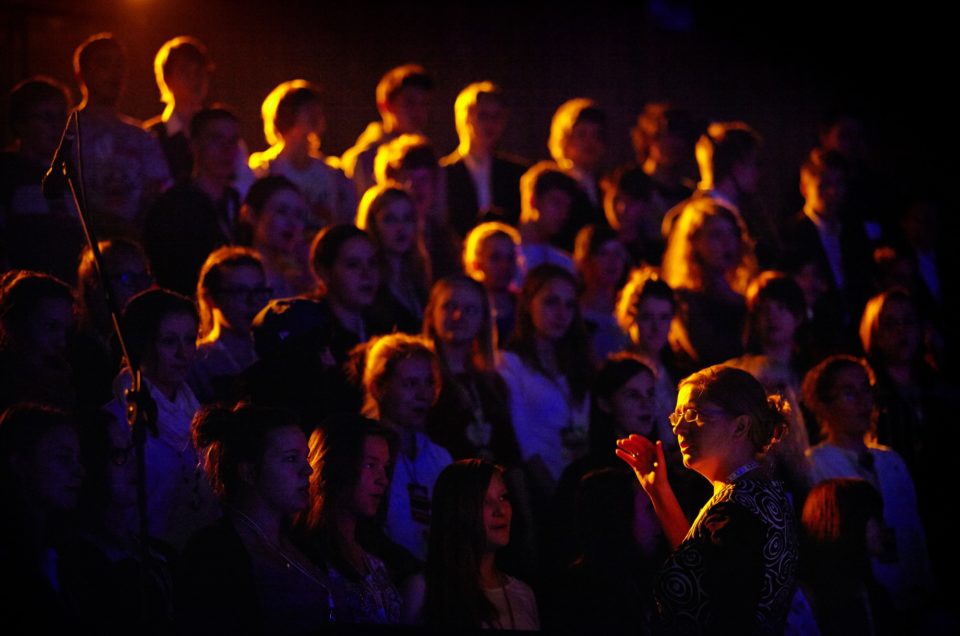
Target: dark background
x,y
777,66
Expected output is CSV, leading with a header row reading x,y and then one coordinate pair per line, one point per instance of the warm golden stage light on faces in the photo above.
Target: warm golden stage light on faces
x,y
704,433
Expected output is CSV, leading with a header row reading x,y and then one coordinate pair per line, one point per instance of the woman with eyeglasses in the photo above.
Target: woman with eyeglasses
x,y
734,569
839,392
231,290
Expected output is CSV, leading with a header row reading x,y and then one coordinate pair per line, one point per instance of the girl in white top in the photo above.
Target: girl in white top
x,y
840,394
161,332
548,369
401,380
471,521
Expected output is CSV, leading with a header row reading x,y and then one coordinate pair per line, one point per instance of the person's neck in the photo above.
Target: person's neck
x,y
214,186
900,372
119,522
729,190
547,355
667,176
99,109
395,268
716,284
456,355
599,299
822,216
726,467
779,352
408,438
345,523
349,317
847,441
475,151
490,576
530,234
297,152
251,510
183,111
168,390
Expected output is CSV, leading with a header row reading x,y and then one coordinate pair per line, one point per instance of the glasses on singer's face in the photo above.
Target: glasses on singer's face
x,y
691,415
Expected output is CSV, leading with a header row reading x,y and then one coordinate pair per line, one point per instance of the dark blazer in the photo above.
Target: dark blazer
x,y
176,148
463,210
836,315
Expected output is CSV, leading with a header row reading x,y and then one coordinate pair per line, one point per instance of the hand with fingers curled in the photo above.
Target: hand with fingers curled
x,y
647,461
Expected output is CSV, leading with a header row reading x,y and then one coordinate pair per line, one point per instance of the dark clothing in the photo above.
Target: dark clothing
x,y
103,586
713,326
36,233
462,207
472,418
836,314
176,149
389,314
215,588
182,228
735,572
582,212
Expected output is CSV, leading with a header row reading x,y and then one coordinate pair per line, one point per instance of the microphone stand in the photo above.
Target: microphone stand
x,y
141,409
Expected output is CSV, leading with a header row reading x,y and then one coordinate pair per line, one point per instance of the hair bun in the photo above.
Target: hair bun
x,y
212,424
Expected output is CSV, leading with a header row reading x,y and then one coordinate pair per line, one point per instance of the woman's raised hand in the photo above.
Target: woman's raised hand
x,y
646,460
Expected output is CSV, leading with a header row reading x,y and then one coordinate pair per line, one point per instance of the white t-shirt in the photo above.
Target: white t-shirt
x,y
516,606
411,491
548,422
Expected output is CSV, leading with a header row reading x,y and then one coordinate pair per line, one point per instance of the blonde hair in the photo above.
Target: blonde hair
x,y
476,239
467,101
271,105
680,266
564,119
383,356
375,200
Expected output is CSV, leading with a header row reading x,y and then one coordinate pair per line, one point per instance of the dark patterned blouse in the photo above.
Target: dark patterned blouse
x,y
735,571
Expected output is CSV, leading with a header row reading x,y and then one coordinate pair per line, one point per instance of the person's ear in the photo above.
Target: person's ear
x,y
741,426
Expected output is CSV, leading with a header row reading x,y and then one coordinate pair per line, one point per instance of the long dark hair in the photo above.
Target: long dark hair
x,y
336,450
573,348
457,540
616,371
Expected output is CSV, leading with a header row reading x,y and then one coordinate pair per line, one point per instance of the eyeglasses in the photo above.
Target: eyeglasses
x,y
691,415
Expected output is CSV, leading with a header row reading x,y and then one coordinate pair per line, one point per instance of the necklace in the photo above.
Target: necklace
x,y
740,472
289,562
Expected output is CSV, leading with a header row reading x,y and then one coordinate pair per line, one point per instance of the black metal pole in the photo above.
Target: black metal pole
x,y
139,403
